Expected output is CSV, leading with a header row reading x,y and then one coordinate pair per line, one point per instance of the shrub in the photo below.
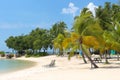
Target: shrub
x,y
36,54
2,54
17,55
9,56
40,54
28,53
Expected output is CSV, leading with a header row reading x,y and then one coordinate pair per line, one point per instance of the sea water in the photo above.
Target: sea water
x,y
9,65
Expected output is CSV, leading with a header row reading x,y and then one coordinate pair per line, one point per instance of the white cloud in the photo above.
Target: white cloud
x,y
71,9
92,7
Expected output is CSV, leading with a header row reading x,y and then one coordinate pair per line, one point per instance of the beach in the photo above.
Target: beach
x,y
64,69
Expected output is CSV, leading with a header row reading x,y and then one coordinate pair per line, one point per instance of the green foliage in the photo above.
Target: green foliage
x,y
101,32
40,54
58,43
2,53
70,55
58,28
38,39
28,53
9,56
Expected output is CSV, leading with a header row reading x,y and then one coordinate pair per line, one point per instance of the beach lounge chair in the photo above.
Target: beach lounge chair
x,y
52,64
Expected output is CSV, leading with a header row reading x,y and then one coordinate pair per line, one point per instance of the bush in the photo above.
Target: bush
x,y
36,54
17,55
28,54
2,54
40,54
9,56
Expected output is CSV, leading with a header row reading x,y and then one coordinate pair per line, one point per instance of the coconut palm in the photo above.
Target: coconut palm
x,y
58,43
104,16
116,36
57,28
109,23
86,25
71,43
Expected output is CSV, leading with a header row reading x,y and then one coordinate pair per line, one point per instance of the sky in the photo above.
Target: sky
x,y
19,17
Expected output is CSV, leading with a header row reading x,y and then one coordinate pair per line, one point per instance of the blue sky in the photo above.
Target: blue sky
x,y
21,16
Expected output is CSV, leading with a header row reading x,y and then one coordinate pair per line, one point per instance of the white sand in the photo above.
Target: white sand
x,y
64,70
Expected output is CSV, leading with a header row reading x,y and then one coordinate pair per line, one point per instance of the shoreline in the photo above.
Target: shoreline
x,y
29,62
26,71
64,70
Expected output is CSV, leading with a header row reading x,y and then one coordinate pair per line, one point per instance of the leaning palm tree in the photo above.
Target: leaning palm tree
x,y
71,43
86,25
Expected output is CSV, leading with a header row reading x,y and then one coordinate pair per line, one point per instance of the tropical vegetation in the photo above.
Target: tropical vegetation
x,y
100,32
37,41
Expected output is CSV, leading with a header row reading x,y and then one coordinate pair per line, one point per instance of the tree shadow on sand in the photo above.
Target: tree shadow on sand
x,y
103,66
110,67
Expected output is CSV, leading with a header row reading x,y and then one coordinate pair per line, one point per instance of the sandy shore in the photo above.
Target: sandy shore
x,y
74,69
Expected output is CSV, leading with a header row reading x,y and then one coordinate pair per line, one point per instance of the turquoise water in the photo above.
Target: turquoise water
x,y
9,65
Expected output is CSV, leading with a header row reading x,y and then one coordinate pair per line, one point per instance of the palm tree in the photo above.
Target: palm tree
x,y
109,23
58,43
86,25
104,16
71,43
116,23
106,44
57,28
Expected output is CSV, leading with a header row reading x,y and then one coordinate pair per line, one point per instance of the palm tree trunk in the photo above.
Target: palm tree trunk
x,y
89,58
39,50
92,63
44,50
61,52
12,50
83,57
53,50
117,56
106,60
